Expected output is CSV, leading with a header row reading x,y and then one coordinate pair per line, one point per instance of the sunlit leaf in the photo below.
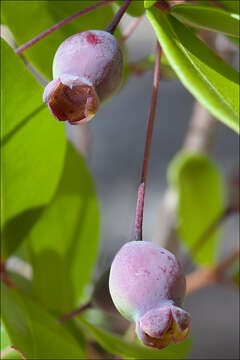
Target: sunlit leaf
x,y
63,244
210,18
200,201
32,150
36,333
149,3
206,75
118,346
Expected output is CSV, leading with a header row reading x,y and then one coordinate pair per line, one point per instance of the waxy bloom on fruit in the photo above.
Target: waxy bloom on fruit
x,y
147,285
87,70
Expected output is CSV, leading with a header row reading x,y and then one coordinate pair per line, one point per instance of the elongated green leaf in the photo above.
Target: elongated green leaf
x,y
32,150
210,18
4,338
210,79
136,8
6,351
200,202
35,332
40,15
63,244
118,346
231,5
149,3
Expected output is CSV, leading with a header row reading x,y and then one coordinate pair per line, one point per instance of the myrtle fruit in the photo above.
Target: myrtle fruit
x,y
87,70
147,285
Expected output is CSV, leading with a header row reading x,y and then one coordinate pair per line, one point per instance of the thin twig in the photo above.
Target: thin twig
x,y
141,190
117,18
130,29
205,276
75,312
60,24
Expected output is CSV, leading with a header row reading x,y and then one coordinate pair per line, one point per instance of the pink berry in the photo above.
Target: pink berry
x,y
87,70
147,285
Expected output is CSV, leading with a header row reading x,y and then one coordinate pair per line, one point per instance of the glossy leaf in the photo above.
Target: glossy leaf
x,y
205,74
118,346
63,244
210,18
4,343
149,3
32,150
200,201
36,333
6,351
136,8
17,14
231,5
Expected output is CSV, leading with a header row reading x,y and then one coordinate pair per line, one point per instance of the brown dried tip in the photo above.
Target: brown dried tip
x,y
78,104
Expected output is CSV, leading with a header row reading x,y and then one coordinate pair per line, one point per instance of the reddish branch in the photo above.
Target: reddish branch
x,y
117,18
60,24
206,276
141,190
76,312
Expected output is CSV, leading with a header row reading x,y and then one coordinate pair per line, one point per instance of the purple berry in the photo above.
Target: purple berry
x,y
147,285
87,70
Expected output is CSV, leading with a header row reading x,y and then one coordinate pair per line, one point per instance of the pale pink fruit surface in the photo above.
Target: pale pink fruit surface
x,y
87,70
147,285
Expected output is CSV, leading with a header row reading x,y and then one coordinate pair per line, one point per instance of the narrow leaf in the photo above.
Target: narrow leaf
x,y
35,332
210,18
63,244
118,346
32,150
200,201
206,75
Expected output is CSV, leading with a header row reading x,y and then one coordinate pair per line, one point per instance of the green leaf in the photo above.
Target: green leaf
x,y
32,150
118,346
200,201
231,5
136,8
4,343
205,74
63,244
40,15
36,333
210,18
149,3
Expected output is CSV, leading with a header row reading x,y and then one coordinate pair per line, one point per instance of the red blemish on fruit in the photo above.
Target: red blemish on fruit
x,y
169,258
163,268
92,39
147,272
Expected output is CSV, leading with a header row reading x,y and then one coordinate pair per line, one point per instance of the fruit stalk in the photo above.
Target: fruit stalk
x,y
137,233
117,18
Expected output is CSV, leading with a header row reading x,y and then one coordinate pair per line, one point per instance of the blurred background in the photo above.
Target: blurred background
x,y
115,151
